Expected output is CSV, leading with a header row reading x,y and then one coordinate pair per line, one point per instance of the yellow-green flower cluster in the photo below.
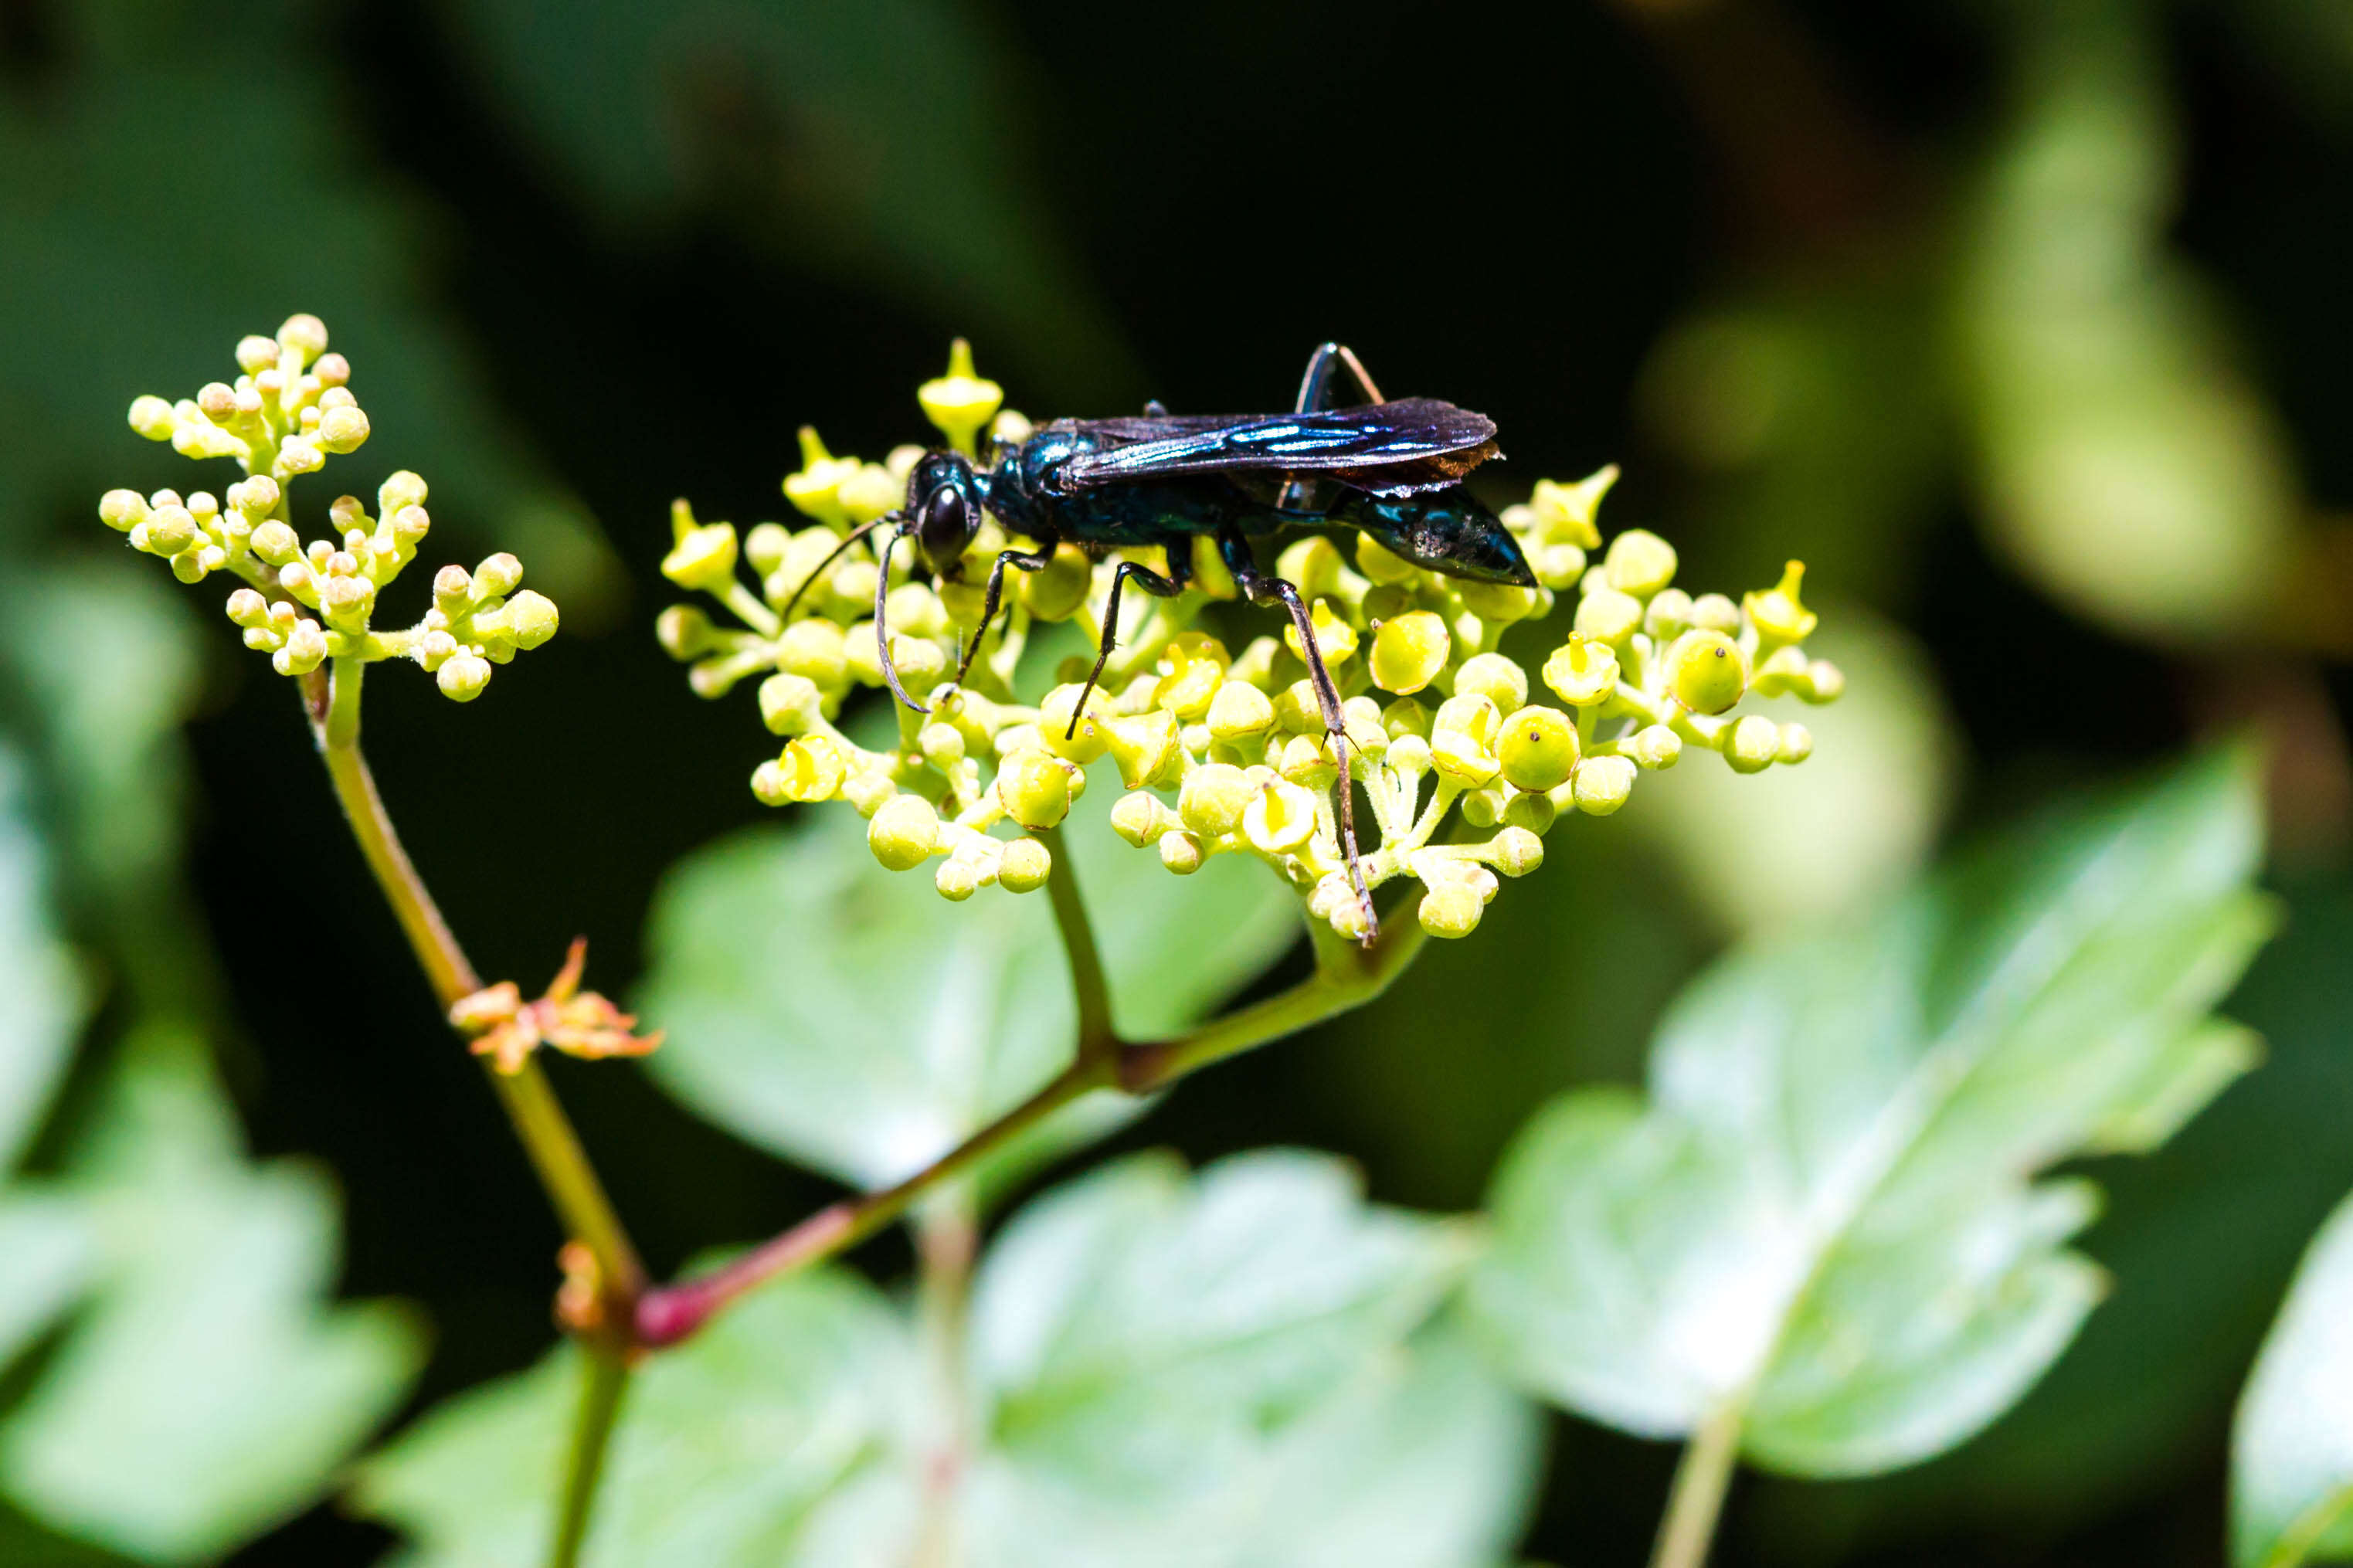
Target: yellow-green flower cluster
x,y
1223,752
305,603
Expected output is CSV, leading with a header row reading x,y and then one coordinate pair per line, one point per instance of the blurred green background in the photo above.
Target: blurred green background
x,y
2023,322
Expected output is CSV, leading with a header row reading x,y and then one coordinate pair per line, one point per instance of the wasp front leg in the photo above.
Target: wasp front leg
x,y
1029,560
1180,572
1264,587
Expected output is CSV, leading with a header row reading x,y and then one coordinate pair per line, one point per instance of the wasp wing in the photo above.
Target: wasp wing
x,y
1413,444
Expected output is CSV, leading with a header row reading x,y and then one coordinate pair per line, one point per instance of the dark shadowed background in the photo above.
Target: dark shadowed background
x,y
2024,323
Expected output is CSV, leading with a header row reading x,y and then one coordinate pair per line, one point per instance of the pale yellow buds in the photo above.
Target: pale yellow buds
x,y
1213,797
1776,614
1034,787
960,402
1500,681
1539,749
1023,866
1707,671
702,555
1582,672
903,832
1639,563
1409,650
1280,818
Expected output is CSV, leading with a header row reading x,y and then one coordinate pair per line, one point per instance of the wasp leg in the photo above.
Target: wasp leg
x,y
1029,560
1315,395
1180,572
1264,587
881,626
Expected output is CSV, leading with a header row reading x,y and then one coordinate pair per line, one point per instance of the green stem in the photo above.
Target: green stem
x,y
332,699
1347,976
604,1378
948,1240
1697,1501
1092,993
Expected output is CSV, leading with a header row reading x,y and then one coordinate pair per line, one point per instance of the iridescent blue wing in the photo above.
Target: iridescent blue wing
x,y
1390,448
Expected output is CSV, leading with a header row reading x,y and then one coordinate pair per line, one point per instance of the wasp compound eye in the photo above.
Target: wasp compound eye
x,y
943,527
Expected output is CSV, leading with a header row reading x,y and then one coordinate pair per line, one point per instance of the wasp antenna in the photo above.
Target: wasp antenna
x,y
881,626
854,535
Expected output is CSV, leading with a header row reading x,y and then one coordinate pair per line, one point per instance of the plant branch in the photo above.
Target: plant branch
x,y
1702,1478
1088,987
331,698
1346,977
604,1378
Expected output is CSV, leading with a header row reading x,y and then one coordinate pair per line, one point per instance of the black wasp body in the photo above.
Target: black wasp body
x,y
1392,470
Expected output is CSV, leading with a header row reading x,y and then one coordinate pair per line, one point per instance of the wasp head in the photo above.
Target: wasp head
x,y
943,508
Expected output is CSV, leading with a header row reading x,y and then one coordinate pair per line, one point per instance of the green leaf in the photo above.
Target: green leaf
x,y
206,1396
2292,1451
722,1450
1238,1369
40,1000
856,1021
1825,1213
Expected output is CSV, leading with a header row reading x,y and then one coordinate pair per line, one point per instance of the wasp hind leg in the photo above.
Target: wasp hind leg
x,y
1262,588
1315,394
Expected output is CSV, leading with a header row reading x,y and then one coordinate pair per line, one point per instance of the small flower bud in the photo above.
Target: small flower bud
x,y
168,531
1023,866
1240,710
1707,671
920,662
1601,785
306,334
1565,512
1280,818
867,792
1607,616
256,353
531,618
1034,787
1481,807
814,647
1639,562
1534,812
218,401
1826,680
870,491
1797,744
247,608
1491,675
305,649
1192,670
1408,650
1538,750
1752,744
1181,852
122,510
788,703
296,454
1140,818
765,545
1335,639
1557,566
1082,742
701,556
955,880
812,768
903,832
152,417
346,601
1307,760
462,677
1497,604
1516,851
1714,613
1313,564
683,631
942,744
453,591
1057,591
1782,670
1450,909
276,543
332,370
402,489
1582,672
1462,737
343,430
960,402
1776,614
496,577
1654,746
1382,564
1144,747
1213,799
816,490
